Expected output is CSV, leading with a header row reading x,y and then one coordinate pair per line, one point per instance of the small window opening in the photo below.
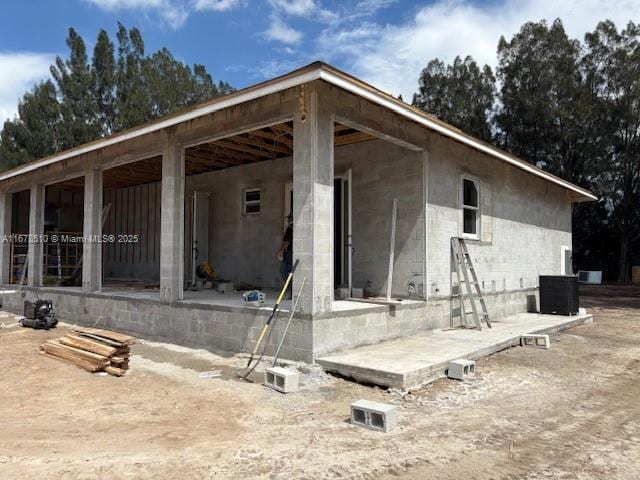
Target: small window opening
x,y
251,202
470,207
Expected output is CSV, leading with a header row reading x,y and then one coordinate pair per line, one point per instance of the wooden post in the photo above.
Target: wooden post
x,y
392,247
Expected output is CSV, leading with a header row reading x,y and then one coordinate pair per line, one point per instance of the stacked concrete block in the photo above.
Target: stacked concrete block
x,y
282,379
92,249
172,223
313,162
36,230
461,369
374,415
535,340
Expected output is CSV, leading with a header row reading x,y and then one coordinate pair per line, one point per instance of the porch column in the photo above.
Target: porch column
x,y
172,224
5,236
313,201
92,226
36,231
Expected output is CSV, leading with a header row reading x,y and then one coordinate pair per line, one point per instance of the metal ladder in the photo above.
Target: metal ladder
x,y
464,267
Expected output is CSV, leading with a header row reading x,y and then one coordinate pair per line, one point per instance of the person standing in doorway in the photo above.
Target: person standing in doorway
x,y
285,252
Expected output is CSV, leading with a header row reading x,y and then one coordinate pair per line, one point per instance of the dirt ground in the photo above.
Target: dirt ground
x,y
571,412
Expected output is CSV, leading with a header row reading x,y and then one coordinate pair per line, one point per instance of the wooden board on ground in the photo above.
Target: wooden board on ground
x,y
92,349
71,354
115,336
87,344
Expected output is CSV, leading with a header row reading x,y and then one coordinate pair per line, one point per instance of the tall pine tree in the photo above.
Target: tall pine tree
x,y
462,94
78,105
133,105
104,82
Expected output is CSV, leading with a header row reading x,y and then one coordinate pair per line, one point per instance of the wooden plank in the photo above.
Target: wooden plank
x,y
261,144
281,138
90,356
137,200
230,144
151,231
115,371
130,212
111,335
156,238
74,355
89,367
90,345
104,340
144,224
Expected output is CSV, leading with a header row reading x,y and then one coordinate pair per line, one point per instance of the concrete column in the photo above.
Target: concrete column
x,y
313,127
92,226
5,237
172,224
36,231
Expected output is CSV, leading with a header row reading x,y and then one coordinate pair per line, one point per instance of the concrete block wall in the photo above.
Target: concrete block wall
x,y
383,171
199,326
241,246
525,222
339,332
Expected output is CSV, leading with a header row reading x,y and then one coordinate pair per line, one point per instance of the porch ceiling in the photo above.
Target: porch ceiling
x,y
268,143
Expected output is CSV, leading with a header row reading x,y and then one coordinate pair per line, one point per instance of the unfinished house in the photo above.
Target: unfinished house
x,y
214,184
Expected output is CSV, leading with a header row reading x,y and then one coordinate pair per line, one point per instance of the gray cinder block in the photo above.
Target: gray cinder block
x,y
374,415
535,340
342,293
225,287
461,369
282,379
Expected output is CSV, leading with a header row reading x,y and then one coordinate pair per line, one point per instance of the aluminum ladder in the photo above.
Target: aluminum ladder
x,y
467,276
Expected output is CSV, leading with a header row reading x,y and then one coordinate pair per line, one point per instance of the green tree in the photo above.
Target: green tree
x,y
544,114
35,132
613,63
104,82
461,94
170,83
133,105
78,105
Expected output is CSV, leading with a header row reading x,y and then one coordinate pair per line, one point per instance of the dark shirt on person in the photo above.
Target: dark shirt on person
x,y
287,255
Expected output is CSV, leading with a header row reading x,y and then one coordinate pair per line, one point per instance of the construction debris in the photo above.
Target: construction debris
x,y
92,349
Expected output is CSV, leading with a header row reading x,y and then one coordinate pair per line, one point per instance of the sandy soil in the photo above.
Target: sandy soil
x,y
571,412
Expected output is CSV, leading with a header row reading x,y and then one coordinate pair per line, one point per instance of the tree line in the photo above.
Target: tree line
x,y
571,108
118,88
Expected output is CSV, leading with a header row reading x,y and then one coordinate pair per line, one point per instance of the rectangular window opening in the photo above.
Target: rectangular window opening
x,y
470,204
251,203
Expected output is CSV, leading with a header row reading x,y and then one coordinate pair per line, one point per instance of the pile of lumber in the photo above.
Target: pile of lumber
x,y
93,349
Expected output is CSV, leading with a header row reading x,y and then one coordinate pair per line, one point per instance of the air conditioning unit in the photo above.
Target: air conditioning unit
x,y
590,277
559,294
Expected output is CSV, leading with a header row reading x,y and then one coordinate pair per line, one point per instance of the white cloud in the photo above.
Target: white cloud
x,y
172,12
18,73
217,5
295,7
279,31
392,56
304,8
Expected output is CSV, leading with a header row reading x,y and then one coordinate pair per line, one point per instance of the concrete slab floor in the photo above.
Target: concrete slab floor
x,y
412,361
213,298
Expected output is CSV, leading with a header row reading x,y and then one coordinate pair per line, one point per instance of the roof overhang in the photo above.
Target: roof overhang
x,y
315,71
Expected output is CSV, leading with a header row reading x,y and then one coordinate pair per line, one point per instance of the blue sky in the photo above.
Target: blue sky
x,y
385,42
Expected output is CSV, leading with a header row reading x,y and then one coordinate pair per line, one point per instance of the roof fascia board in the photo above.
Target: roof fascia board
x,y
352,87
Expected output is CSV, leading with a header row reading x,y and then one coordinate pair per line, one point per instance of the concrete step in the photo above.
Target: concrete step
x,y
412,361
